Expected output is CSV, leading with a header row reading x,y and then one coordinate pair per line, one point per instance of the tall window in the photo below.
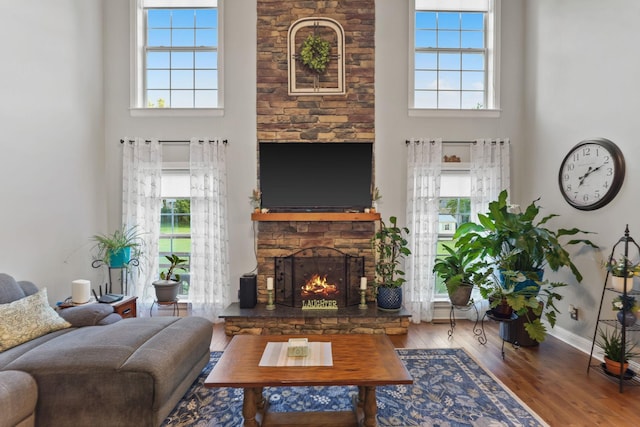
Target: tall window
x,y
175,223
454,55
178,54
454,209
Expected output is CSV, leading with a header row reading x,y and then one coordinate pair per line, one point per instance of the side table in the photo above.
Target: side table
x,y
126,307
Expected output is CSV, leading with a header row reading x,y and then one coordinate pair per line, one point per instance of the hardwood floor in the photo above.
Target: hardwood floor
x,y
551,378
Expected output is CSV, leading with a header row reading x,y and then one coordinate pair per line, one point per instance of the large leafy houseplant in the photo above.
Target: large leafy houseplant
x,y
520,245
390,247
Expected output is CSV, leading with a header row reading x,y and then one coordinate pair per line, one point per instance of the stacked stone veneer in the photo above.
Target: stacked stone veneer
x,y
321,118
325,118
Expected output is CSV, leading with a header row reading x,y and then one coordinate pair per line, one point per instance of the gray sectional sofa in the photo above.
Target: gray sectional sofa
x,y
129,372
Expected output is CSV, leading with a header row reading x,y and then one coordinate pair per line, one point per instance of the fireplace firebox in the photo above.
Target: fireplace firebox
x,y
319,277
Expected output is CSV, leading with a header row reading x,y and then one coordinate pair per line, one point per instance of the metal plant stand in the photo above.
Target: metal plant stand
x,y
478,326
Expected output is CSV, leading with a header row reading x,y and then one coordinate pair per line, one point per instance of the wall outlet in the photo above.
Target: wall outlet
x,y
573,312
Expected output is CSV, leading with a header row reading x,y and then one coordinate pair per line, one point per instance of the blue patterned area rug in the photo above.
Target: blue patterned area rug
x,y
450,389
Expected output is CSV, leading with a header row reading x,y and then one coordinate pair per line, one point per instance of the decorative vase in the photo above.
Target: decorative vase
x,y
613,366
626,318
389,299
166,290
617,283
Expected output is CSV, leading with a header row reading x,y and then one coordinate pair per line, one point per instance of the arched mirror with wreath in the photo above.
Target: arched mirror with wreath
x,y
316,57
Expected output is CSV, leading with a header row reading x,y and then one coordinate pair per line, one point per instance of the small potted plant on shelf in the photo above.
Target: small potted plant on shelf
x,y
117,249
375,197
615,352
255,200
169,284
460,271
622,271
390,247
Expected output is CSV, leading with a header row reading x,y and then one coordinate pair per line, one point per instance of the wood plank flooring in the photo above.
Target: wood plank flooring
x,y
551,378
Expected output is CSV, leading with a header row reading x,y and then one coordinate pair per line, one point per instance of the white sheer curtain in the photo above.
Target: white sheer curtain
x,y
424,164
490,173
209,289
141,204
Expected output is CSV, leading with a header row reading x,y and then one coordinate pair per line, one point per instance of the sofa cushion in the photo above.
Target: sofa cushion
x,y
28,318
9,289
18,398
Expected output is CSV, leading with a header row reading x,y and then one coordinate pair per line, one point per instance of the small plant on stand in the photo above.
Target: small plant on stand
x,y
614,351
167,288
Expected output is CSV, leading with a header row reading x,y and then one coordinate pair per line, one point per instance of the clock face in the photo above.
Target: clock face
x,y
591,174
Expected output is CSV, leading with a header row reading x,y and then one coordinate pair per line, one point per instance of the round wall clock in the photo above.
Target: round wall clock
x,y
591,174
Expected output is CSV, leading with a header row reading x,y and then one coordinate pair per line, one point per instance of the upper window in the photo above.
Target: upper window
x,y
454,55
177,55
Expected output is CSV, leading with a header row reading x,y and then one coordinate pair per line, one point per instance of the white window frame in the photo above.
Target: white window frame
x,y
492,64
137,71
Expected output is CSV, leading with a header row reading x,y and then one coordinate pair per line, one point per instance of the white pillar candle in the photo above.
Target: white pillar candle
x,y
80,291
269,283
363,283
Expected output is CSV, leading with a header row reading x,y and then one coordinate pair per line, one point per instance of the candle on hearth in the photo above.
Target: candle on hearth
x,y
363,283
269,283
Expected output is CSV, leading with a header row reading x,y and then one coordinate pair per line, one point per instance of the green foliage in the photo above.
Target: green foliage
x,y
519,245
106,244
519,242
390,247
175,263
315,54
612,346
460,267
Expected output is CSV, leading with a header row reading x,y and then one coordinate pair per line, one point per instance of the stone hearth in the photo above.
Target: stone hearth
x,y
294,321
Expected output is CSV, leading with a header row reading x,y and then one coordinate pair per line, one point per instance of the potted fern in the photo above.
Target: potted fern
x,y
169,284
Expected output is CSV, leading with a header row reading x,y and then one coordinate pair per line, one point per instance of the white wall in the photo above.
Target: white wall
x,y
51,145
582,82
394,126
238,125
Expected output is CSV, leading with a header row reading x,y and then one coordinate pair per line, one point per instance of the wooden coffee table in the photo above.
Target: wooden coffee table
x,y
366,361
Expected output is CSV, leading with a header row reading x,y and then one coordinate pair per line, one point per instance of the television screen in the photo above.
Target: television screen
x,y
313,176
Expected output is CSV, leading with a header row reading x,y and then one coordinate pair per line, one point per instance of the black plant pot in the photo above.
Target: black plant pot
x,y
389,299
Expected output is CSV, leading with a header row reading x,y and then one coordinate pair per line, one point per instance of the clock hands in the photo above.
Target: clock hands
x,y
587,173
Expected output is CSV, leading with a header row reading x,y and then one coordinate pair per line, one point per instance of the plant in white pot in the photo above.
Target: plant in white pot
x,y
169,284
622,272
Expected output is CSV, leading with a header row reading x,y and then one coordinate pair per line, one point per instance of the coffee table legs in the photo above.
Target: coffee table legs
x,y
367,398
252,400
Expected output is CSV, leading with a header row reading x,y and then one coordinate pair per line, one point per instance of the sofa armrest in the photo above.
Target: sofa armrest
x,y
90,315
18,398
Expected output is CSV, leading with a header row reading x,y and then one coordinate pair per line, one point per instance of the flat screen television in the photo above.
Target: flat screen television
x,y
315,177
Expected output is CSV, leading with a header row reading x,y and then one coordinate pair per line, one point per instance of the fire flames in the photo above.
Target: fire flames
x,y
317,286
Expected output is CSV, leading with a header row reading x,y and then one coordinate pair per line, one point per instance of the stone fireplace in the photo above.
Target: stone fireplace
x,y
314,118
318,277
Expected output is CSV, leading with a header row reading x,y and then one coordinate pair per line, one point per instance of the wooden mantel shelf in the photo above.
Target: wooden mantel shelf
x,y
315,216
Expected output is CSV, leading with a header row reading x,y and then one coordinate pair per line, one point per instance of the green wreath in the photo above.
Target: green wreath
x,y
315,54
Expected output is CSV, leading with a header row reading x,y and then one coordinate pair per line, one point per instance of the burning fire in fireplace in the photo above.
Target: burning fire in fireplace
x,y
317,286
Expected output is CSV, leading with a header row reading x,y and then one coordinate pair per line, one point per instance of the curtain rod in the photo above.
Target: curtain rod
x,y
407,141
173,141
